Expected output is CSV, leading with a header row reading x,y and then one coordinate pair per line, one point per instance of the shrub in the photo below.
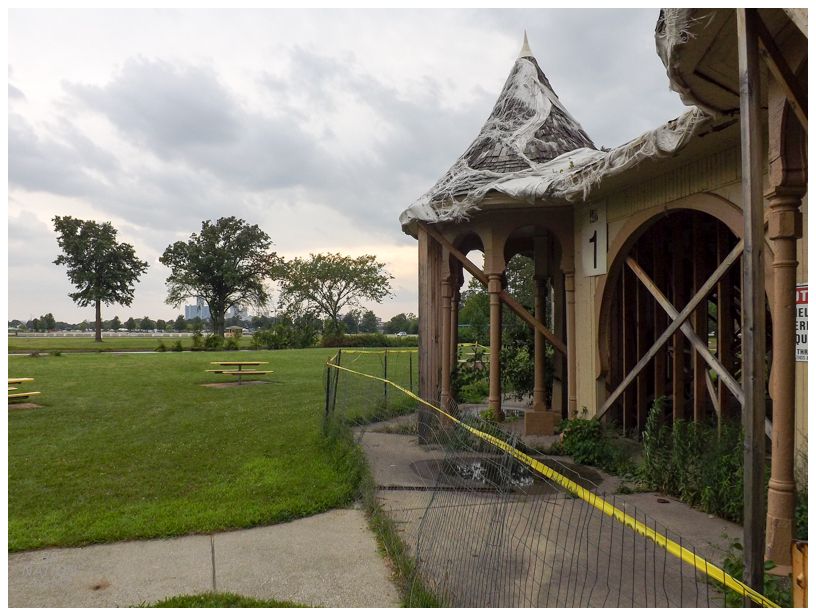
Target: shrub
x,y
56,353
213,342
230,344
776,588
695,462
474,393
367,340
177,346
587,442
161,348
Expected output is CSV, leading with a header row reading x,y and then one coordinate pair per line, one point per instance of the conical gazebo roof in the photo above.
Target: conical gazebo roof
x,y
527,128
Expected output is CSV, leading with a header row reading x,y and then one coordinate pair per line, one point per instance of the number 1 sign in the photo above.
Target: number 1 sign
x,y
593,239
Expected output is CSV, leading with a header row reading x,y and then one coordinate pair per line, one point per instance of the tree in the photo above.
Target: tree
x,y
227,264
179,324
85,326
130,324
103,270
327,283
161,324
369,323
47,322
115,324
351,322
147,324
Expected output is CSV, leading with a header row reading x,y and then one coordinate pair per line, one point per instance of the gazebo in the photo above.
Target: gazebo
x,y
637,249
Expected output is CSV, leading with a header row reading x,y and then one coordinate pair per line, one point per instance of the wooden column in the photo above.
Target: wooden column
x,y
445,317
429,278
700,318
494,288
784,227
454,322
569,293
559,399
539,386
753,298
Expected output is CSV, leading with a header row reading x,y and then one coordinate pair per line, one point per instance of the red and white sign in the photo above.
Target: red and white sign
x,y
801,322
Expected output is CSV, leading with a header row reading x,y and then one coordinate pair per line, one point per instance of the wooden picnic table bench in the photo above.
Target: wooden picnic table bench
x,y
22,395
235,368
18,380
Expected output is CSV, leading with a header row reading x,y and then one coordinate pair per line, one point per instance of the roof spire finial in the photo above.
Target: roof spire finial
x,y
525,48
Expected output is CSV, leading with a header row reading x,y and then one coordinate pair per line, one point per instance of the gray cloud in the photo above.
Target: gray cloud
x,y
167,107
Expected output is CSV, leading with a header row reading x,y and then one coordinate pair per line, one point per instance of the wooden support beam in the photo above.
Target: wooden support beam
x,y
753,299
629,338
641,402
678,343
658,316
699,319
725,324
506,298
701,294
697,342
796,95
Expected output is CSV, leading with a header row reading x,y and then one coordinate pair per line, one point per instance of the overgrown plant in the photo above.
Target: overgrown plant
x,y
776,588
696,462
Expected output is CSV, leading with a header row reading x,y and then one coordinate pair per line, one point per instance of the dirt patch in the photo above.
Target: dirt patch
x,y
234,384
24,405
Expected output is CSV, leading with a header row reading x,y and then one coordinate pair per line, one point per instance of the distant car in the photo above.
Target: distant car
x,y
402,334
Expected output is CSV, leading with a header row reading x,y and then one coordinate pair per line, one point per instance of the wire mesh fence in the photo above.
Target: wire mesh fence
x,y
491,522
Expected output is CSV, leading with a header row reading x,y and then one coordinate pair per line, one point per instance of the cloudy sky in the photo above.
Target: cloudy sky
x,y
320,126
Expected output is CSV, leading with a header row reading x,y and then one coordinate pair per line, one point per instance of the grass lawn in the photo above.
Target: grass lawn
x,y
220,600
20,344
131,446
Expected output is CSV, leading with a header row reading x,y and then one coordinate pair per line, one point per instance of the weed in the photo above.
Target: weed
x,y
161,348
177,347
777,589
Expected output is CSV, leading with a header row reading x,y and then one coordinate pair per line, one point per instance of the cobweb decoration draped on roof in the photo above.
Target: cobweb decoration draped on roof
x,y
528,128
531,149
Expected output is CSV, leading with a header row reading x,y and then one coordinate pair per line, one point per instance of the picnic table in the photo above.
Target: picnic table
x,y
23,394
236,368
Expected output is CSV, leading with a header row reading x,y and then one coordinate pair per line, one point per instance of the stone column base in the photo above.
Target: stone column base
x,y
540,423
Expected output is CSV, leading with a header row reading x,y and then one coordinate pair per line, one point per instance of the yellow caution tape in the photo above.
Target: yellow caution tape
x,y
672,547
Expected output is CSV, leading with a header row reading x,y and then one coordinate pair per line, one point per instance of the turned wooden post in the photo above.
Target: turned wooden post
x,y
784,227
494,288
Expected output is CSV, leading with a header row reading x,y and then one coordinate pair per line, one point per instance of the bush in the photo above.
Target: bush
x,y
213,342
177,346
56,353
695,462
161,348
474,393
367,340
230,344
587,442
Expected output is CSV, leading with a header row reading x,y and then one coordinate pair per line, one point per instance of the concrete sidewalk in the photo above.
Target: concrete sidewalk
x,y
328,560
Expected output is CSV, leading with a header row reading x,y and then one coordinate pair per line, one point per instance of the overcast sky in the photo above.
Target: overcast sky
x,y
320,126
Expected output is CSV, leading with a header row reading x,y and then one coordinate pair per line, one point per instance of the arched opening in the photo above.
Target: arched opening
x,y
678,252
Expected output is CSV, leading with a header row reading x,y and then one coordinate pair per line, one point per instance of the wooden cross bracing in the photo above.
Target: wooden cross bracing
x,y
505,297
678,322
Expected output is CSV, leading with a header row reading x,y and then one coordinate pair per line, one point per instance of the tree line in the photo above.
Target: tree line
x,y
228,263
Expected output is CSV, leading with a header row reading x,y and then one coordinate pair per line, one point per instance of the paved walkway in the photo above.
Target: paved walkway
x,y
329,560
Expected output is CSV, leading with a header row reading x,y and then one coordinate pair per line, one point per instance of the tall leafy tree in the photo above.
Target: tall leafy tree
x,y
369,323
180,324
103,270
115,324
328,283
130,324
227,264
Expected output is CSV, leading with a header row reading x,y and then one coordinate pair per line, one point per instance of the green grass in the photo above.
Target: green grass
x,y
220,600
17,344
131,446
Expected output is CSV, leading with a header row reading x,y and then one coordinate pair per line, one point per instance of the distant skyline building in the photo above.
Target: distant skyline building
x,y
200,309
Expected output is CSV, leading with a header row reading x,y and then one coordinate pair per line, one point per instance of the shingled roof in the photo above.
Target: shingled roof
x,y
527,127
